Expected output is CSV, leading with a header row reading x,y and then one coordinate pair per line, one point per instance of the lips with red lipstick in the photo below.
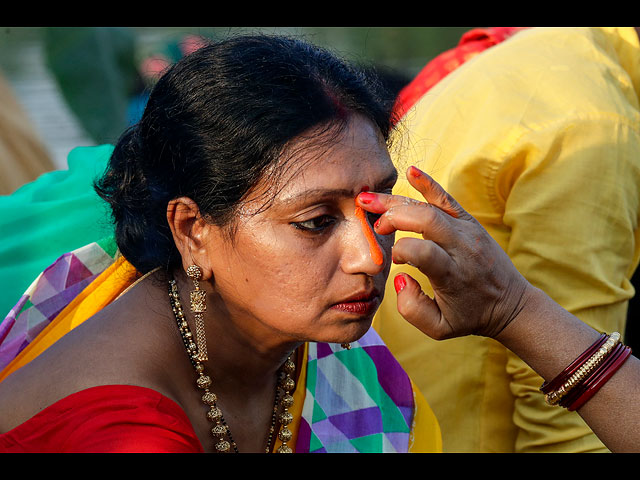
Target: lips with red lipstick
x,y
364,303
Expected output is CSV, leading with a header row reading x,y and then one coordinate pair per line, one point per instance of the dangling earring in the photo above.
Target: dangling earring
x,y
198,307
346,346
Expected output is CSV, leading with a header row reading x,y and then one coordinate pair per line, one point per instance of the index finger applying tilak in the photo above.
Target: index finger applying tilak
x,y
405,214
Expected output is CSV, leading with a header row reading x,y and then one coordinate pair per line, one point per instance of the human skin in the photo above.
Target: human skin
x,y
478,291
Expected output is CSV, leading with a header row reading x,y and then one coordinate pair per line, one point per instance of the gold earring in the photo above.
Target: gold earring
x,y
198,300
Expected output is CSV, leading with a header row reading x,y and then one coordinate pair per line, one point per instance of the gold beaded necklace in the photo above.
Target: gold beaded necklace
x,y
220,430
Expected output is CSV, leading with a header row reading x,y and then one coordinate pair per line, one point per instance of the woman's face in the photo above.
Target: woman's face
x,y
301,270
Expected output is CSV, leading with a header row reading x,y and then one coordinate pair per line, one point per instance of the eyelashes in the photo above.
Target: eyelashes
x,y
322,223
317,224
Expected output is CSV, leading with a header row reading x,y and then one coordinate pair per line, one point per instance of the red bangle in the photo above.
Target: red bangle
x,y
559,380
603,377
578,390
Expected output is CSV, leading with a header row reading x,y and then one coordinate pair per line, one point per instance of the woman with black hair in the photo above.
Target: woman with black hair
x,y
235,313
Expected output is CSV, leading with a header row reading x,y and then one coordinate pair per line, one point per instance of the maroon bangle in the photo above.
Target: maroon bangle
x,y
603,377
586,382
559,380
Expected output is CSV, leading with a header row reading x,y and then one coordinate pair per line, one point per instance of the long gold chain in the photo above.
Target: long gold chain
x,y
220,429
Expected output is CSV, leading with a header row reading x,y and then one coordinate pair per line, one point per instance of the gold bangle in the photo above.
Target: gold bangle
x,y
554,397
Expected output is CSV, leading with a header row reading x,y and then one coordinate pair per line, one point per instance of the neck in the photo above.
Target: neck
x,y
242,356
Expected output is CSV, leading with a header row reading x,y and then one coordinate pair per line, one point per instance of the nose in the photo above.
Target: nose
x,y
363,253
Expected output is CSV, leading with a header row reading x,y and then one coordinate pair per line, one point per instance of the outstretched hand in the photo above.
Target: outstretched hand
x,y
477,289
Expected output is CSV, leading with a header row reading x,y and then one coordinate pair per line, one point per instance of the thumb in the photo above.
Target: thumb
x,y
419,309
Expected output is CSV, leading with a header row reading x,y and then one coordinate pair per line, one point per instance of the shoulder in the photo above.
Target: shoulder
x,y
109,418
532,93
123,344
532,78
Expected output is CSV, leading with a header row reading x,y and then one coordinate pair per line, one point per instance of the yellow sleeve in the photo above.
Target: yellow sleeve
x,y
571,201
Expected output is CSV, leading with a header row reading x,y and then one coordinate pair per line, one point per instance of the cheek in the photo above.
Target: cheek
x,y
288,276
286,272
286,295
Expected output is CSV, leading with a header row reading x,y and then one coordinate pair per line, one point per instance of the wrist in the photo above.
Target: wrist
x,y
523,317
545,335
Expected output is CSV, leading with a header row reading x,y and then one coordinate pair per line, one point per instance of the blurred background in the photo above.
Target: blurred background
x,y
79,86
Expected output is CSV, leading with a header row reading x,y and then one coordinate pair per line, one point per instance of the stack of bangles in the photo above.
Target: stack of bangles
x,y
587,374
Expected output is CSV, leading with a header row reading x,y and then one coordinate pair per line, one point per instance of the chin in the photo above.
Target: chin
x,y
353,330
338,326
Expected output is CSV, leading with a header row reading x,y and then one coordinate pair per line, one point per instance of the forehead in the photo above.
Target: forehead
x,y
354,159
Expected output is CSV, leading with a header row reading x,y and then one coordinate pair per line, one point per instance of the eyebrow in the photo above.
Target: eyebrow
x,y
318,194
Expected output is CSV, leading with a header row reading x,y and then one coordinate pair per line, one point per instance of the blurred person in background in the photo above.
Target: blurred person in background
x,y
23,156
86,85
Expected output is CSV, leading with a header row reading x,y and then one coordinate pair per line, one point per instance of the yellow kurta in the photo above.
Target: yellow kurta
x,y
539,139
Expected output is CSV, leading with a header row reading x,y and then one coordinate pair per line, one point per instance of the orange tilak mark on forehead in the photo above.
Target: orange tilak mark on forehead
x,y
374,247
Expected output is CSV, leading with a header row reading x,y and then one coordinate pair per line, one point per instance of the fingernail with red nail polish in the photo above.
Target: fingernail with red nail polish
x,y
415,172
399,283
366,197
377,224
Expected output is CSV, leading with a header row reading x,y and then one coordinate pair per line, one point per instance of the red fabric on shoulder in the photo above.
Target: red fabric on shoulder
x,y
471,44
106,419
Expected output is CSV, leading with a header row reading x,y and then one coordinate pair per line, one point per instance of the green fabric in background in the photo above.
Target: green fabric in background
x,y
48,217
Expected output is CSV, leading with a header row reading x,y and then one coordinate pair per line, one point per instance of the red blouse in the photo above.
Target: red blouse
x,y
106,419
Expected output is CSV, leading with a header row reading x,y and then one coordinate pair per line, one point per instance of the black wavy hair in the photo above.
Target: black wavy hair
x,y
215,122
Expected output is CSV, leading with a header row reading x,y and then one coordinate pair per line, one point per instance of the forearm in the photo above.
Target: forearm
x,y
548,338
478,290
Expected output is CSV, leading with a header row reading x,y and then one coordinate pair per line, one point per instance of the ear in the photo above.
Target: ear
x,y
191,234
